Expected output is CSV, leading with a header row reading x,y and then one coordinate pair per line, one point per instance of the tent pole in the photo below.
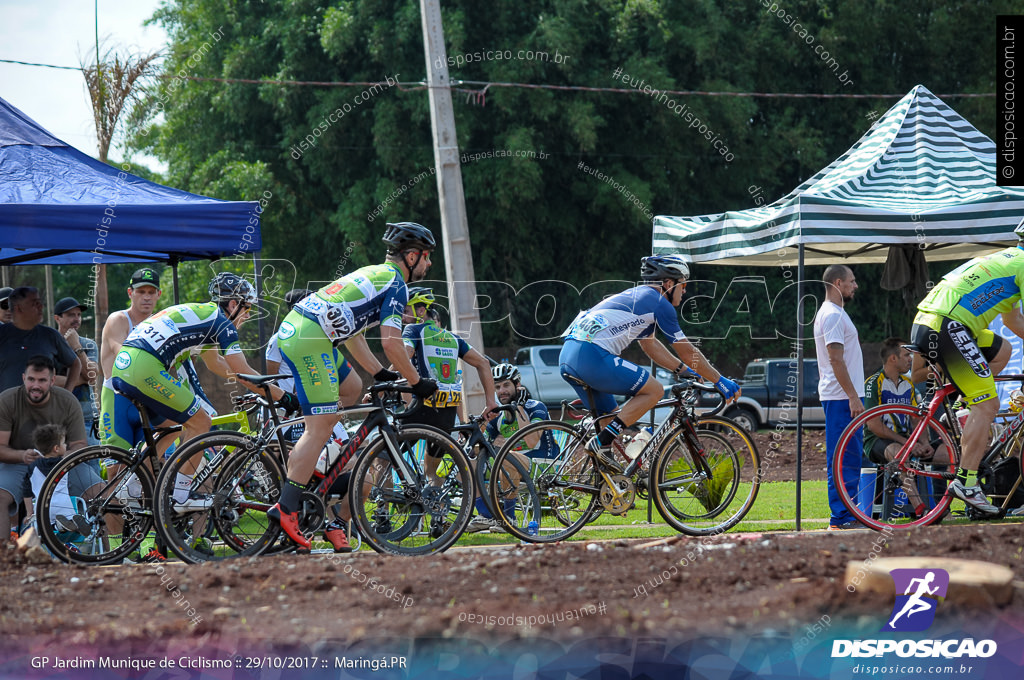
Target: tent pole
x,y
174,278
261,331
799,377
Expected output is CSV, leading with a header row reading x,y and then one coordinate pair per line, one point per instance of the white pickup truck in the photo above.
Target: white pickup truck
x,y
538,368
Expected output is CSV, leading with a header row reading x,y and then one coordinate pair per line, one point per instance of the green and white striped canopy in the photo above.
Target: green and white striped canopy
x,y
921,175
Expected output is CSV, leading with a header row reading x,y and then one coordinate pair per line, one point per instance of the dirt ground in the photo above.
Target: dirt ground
x,y
724,585
778,454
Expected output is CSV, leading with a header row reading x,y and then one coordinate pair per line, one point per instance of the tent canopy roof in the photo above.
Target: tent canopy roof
x,y
922,175
60,206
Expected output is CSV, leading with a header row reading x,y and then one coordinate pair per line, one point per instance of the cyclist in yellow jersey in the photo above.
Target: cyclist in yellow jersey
x,y
951,328
339,314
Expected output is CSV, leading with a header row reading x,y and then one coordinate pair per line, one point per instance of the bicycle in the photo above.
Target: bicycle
x,y
111,521
906,474
513,480
701,484
393,505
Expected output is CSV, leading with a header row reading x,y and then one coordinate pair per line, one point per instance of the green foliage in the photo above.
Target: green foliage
x,y
538,220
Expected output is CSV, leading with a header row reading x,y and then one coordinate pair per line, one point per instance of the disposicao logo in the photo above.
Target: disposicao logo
x,y
914,610
918,592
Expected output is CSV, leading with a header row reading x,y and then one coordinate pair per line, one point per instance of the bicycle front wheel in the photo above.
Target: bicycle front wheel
x,y
880,496
704,493
563,475
213,495
93,509
399,512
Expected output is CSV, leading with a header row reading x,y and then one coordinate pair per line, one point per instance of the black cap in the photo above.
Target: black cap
x,y
66,304
145,277
296,295
5,293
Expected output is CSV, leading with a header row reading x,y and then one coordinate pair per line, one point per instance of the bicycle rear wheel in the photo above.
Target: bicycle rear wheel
x,y
692,501
566,483
402,516
86,516
223,512
896,486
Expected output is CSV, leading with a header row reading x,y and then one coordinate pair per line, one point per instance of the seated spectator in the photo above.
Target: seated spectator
x,y
68,315
51,442
26,336
24,409
885,436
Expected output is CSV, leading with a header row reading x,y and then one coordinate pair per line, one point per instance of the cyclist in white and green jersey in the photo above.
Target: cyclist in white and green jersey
x,y
145,367
338,314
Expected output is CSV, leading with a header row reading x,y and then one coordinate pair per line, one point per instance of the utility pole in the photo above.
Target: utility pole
x,y
458,254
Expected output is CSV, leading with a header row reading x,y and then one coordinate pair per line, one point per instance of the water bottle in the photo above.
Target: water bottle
x,y
532,529
639,441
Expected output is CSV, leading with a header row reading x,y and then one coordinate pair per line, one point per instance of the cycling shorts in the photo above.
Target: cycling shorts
x,y
964,358
314,363
143,377
120,422
605,373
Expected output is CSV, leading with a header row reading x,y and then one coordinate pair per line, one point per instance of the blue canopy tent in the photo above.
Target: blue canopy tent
x,y
60,206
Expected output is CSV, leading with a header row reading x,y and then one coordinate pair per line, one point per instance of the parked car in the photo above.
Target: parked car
x,y
770,394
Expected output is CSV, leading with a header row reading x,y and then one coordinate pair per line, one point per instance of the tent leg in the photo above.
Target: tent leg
x,y
261,331
799,378
174,278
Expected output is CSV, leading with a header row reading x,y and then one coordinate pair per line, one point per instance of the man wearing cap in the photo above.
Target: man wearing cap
x,y
5,308
120,424
68,315
26,336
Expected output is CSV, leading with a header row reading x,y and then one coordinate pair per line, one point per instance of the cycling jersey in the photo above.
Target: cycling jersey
x,y
619,320
880,389
171,333
436,355
977,291
507,425
366,297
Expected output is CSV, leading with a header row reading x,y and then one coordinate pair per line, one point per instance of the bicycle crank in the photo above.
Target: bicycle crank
x,y
618,496
312,513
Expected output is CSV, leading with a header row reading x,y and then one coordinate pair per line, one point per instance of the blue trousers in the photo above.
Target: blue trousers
x,y
837,417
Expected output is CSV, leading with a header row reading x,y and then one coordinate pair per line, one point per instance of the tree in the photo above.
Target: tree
x,y
340,161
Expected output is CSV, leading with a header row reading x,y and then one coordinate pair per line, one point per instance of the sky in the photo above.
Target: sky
x,y
60,32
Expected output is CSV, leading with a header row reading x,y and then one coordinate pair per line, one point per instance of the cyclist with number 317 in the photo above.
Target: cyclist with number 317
x,y
600,334
339,314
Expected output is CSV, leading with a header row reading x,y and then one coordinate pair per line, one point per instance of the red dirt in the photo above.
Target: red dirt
x,y
778,454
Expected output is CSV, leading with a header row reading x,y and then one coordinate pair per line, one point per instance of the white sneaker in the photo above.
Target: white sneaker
x,y
972,496
480,523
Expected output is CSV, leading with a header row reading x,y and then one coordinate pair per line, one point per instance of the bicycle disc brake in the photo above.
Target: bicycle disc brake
x,y
312,513
618,498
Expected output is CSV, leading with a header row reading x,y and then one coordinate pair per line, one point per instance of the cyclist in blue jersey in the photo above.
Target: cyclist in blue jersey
x,y
598,336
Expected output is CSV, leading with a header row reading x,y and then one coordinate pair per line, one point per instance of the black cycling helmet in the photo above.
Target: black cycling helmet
x,y
227,286
408,236
505,372
421,295
661,267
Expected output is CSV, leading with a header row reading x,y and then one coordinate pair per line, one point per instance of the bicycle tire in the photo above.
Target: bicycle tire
x,y
563,510
891,473
436,515
515,485
692,503
236,506
106,511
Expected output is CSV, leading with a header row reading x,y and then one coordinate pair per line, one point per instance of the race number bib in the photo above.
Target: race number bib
x,y
586,326
158,331
336,320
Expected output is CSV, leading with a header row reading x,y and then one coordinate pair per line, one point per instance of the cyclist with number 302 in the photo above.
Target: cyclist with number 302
x,y
340,313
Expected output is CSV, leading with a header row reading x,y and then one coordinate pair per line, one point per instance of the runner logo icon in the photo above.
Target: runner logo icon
x,y
917,596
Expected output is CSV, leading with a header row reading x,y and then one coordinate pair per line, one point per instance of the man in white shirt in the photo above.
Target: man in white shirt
x,y
840,383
